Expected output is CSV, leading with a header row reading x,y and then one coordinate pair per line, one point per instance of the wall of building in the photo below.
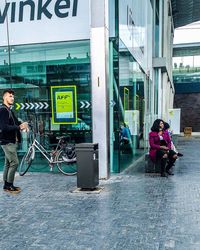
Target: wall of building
x,y
189,103
35,57
51,23
186,76
163,35
135,30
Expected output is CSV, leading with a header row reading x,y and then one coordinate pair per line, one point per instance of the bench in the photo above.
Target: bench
x,y
150,166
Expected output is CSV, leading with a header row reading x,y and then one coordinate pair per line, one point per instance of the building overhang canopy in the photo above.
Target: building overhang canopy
x,y
185,12
186,49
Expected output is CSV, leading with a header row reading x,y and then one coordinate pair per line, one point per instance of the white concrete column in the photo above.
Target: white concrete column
x,y
160,79
99,51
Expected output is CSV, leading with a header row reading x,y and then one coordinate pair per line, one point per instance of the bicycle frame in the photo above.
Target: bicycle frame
x,y
42,150
63,156
50,157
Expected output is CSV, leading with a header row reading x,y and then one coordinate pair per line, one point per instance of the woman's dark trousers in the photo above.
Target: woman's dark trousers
x,y
163,161
171,160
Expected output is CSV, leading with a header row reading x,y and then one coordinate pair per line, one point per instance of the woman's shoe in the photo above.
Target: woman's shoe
x,y
163,175
179,154
169,172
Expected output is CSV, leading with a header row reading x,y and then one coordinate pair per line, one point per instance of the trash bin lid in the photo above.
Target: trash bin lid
x,y
93,146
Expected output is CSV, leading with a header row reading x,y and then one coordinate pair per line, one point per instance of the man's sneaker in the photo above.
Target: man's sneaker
x,y
12,189
16,188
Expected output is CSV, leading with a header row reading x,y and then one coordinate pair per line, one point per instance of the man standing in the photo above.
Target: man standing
x,y
9,137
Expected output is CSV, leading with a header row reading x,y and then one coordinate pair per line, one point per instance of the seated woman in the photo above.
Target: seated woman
x,y
160,147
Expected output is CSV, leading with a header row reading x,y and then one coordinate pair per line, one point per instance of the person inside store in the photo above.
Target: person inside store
x,y
125,133
160,148
125,138
10,136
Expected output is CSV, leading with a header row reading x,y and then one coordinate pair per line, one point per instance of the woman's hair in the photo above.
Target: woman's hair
x,y
166,125
156,125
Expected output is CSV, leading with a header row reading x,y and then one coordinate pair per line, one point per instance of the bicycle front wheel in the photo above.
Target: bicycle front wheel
x,y
65,165
26,161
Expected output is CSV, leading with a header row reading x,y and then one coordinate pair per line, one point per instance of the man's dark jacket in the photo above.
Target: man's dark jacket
x,y
9,126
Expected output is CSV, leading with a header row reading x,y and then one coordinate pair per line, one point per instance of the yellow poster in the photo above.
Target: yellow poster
x,y
64,104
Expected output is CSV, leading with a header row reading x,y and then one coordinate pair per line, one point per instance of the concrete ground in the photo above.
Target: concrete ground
x,y
133,211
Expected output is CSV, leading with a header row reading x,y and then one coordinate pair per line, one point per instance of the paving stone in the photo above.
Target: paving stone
x,y
133,211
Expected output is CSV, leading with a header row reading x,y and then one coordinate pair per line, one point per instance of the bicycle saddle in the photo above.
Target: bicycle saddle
x,y
62,137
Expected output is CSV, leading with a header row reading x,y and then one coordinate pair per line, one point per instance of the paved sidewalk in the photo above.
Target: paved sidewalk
x,y
134,211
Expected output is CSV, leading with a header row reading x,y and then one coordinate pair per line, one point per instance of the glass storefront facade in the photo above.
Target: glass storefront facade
x,y
131,105
31,70
131,88
128,95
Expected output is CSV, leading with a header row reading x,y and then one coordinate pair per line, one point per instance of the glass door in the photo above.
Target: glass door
x,y
114,108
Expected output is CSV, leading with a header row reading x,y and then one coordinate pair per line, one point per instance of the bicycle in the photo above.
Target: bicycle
x,y
63,156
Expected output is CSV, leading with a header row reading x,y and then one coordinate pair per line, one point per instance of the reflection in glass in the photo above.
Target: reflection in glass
x,y
34,69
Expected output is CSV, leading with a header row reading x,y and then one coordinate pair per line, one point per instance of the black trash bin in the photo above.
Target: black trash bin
x,y
87,165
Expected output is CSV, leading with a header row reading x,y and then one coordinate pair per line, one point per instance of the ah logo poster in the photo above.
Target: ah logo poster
x,y
64,104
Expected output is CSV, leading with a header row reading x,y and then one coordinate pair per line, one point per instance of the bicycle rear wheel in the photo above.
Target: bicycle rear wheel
x,y
26,161
66,165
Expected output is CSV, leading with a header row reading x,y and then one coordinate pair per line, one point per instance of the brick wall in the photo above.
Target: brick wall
x,y
190,110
